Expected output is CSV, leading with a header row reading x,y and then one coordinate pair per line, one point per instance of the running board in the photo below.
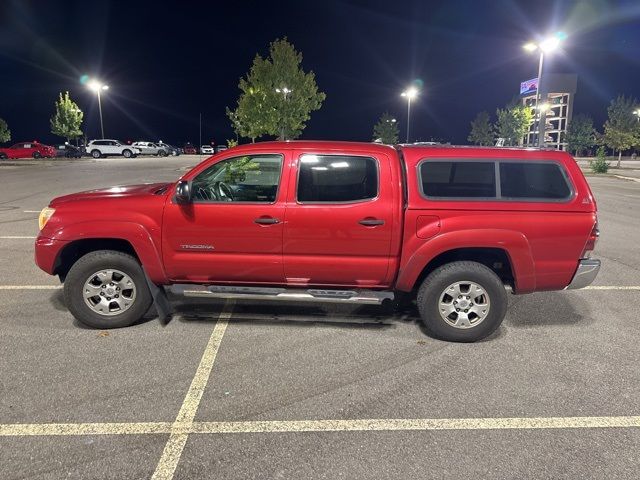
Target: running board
x,y
369,297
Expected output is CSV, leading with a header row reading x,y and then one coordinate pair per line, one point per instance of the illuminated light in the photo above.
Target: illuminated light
x,y
550,44
319,168
340,165
410,93
530,47
310,159
544,107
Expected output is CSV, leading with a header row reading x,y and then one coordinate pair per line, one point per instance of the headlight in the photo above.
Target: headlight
x,y
44,217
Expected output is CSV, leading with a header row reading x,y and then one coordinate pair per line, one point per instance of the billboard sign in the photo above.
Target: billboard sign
x,y
529,87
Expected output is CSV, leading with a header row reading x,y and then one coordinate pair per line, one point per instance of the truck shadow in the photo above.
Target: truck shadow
x,y
545,309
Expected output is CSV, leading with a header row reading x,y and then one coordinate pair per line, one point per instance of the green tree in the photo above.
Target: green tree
x,y
580,134
513,123
599,165
67,120
482,131
277,96
5,133
386,130
621,130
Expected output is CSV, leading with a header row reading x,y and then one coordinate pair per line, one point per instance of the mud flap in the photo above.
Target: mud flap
x,y
160,300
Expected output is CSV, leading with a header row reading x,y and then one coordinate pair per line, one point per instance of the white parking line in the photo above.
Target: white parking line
x,y
178,438
31,211
180,429
30,287
17,237
612,287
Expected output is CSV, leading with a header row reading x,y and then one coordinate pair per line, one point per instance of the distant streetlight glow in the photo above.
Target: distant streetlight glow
x,y
548,45
410,93
285,93
98,87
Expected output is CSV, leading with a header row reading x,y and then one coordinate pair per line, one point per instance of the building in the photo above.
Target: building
x,y
557,92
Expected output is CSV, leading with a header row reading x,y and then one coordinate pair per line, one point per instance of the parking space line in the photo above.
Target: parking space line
x,y
178,438
30,287
17,237
181,430
612,287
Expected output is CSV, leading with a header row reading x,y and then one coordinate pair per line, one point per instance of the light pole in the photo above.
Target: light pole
x,y
637,113
546,46
97,87
285,93
409,94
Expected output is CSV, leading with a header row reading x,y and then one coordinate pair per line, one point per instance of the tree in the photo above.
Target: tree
x,y
5,133
580,134
513,123
386,130
482,131
277,96
67,120
621,130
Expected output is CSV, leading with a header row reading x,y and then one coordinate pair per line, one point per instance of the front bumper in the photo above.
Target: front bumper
x,y
47,251
586,273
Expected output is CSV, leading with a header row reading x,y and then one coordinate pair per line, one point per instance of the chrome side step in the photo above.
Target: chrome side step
x,y
368,297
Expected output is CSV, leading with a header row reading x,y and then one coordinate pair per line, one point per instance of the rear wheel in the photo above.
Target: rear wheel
x,y
127,153
107,289
36,155
3,156
162,153
96,153
462,301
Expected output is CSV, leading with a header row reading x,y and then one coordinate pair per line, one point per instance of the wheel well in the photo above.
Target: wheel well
x,y
494,258
72,252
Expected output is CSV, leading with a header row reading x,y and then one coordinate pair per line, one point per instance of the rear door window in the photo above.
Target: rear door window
x,y
458,179
533,181
337,179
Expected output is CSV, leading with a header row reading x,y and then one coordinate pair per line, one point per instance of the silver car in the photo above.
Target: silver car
x,y
150,148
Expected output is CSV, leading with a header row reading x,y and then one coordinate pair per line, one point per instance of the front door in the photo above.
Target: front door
x,y
339,221
232,231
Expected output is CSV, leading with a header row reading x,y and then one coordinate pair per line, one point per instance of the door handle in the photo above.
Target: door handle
x,y
371,222
266,221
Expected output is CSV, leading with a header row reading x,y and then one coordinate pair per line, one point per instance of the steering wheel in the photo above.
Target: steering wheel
x,y
224,191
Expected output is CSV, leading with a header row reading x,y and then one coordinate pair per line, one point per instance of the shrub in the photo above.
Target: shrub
x,y
599,164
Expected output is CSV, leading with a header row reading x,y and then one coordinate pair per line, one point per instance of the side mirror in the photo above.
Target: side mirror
x,y
183,192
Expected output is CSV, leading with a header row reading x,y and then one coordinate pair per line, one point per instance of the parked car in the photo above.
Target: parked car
x,y
220,148
150,148
189,149
28,150
454,228
206,150
174,151
106,147
69,151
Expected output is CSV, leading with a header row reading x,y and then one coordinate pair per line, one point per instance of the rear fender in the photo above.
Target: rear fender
x,y
515,244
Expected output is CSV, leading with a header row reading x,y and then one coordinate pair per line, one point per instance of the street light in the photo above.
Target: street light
x,y
285,93
98,88
546,46
637,113
409,94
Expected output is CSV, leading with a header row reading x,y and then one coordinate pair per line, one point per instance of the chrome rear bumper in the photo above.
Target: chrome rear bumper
x,y
586,273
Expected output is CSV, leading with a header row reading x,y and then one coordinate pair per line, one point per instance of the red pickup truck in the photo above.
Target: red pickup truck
x,y
455,227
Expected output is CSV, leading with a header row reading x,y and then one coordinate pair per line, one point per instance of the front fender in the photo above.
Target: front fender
x,y
137,235
515,244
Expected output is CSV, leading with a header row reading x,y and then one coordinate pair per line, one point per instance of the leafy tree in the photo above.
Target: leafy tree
x,y
67,120
482,131
277,96
386,129
621,130
5,133
513,123
599,165
580,134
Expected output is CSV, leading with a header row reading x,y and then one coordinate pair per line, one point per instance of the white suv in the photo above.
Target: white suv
x,y
104,147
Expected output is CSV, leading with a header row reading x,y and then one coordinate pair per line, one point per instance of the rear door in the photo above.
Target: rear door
x,y
339,220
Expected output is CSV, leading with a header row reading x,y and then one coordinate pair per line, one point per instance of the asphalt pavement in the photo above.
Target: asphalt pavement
x,y
246,390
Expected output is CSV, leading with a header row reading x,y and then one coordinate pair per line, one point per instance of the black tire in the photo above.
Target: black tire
x,y
127,153
440,279
3,156
93,262
162,153
96,153
36,155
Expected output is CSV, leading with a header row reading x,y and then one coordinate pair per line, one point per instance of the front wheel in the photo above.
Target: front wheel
x,y
36,155
462,301
107,289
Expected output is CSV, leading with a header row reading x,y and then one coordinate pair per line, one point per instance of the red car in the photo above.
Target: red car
x,y
455,228
28,150
189,149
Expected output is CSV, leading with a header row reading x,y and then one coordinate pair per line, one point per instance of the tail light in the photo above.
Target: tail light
x,y
591,241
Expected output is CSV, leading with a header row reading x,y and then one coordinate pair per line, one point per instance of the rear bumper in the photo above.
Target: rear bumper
x,y
586,273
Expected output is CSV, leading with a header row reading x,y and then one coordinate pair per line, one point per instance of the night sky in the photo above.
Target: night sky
x,y
168,61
